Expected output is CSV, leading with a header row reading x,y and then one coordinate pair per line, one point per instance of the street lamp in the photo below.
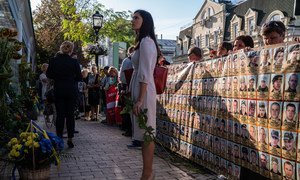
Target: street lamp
x,y
97,25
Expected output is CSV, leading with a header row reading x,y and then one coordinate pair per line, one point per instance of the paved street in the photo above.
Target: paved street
x,y
101,153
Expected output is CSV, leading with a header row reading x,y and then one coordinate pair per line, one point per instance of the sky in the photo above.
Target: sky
x,y
168,15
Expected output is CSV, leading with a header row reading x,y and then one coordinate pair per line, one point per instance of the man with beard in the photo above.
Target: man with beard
x,y
293,83
263,162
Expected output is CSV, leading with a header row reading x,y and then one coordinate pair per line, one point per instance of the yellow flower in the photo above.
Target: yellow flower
x,y
19,146
29,138
13,153
36,144
14,140
27,143
17,154
23,135
16,146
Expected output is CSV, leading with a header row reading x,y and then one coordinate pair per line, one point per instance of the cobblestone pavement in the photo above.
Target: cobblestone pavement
x,y
100,152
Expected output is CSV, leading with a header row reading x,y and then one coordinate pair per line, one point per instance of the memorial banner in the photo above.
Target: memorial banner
x,y
235,112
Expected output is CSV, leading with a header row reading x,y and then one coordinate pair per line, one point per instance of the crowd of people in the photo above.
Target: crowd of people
x,y
92,91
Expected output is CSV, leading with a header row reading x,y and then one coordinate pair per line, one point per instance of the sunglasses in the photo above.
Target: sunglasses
x,y
271,24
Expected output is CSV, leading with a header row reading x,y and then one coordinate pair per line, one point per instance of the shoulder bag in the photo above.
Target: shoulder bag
x,y
160,75
160,78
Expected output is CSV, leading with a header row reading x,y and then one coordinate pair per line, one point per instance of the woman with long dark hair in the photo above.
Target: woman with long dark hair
x,y
142,87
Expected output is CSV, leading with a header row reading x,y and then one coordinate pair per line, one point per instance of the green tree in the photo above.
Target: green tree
x,y
77,24
59,20
49,34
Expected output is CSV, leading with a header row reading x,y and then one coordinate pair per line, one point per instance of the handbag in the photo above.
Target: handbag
x,y
128,74
160,75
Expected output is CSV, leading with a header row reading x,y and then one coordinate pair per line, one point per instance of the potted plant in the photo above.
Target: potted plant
x,y
96,49
33,152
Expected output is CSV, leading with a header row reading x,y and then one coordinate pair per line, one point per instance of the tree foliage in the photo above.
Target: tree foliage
x,y
78,21
49,34
59,20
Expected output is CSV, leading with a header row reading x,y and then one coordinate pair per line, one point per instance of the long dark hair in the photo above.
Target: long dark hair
x,y
147,29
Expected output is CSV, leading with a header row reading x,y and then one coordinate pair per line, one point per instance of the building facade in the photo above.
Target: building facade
x,y
220,20
167,48
17,14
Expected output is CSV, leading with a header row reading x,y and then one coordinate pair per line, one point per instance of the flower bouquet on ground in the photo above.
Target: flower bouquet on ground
x,y
34,151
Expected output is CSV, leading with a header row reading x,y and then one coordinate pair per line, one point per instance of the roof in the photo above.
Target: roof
x,y
263,9
186,32
166,42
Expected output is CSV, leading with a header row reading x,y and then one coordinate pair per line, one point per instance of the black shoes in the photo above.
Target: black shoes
x,y
135,145
70,144
76,132
127,134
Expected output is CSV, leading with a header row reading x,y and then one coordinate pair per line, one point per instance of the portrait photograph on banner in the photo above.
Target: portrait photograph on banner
x,y
236,112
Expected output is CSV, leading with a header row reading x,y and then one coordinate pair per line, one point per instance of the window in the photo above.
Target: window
x,y
209,12
199,41
275,17
185,47
235,30
251,26
207,40
216,37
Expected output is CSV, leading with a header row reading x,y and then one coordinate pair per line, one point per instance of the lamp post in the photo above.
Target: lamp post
x,y
97,25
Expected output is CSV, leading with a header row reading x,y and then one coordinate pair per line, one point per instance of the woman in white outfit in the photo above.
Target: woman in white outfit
x,y
142,87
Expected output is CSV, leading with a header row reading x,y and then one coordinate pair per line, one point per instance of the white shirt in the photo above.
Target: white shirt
x,y
126,64
44,85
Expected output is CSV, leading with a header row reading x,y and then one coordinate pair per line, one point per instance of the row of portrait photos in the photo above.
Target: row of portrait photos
x,y
273,114
237,111
283,59
263,86
268,165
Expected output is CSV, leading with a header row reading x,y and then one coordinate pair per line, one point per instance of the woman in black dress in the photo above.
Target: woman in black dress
x,y
65,71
